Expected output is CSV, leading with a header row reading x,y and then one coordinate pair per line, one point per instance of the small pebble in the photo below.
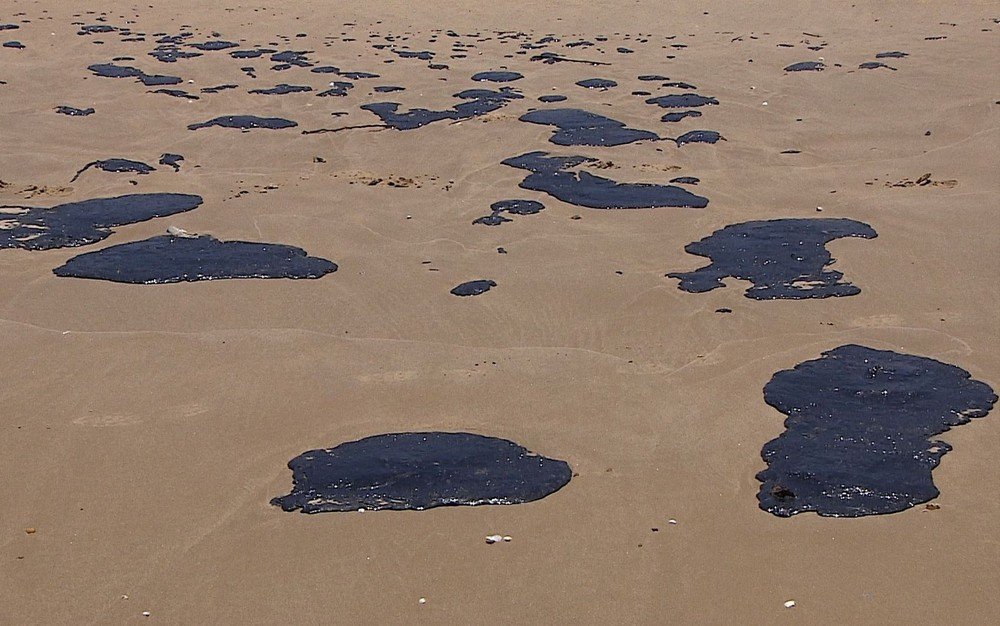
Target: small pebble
x,y
789,604
146,613
422,600
30,531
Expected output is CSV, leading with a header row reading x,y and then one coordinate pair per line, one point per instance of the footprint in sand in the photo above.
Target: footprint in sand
x,y
104,421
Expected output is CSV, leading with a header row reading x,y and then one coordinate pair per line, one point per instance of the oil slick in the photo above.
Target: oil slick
x,y
511,207
184,258
418,471
577,127
783,258
245,122
553,175
857,436
87,221
473,288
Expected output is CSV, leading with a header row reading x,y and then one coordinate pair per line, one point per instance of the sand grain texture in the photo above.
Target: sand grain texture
x,y
144,428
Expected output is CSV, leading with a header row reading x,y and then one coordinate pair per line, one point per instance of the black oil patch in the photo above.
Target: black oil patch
x,y
116,166
170,53
874,65
783,258
550,58
358,75
476,102
497,77
423,55
253,53
218,88
418,471
597,83
473,288
679,85
806,66
169,259
88,221
676,117
292,57
338,88
682,101
245,122
582,128
512,207
177,93
110,70
281,89
699,136
74,112
215,44
172,160
552,175
857,437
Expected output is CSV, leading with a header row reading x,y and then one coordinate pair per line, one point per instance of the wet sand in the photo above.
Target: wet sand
x,y
147,427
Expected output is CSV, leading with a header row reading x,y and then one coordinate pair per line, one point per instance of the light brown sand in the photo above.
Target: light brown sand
x,y
144,429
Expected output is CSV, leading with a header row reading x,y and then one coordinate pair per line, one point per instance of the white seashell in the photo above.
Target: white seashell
x,y
494,538
180,232
789,604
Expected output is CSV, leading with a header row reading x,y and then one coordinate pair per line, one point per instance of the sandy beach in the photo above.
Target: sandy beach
x,y
146,427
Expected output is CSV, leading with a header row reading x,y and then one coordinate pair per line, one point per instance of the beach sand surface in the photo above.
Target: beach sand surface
x,y
145,428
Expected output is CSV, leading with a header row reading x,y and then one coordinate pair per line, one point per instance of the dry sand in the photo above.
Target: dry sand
x,y
145,428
